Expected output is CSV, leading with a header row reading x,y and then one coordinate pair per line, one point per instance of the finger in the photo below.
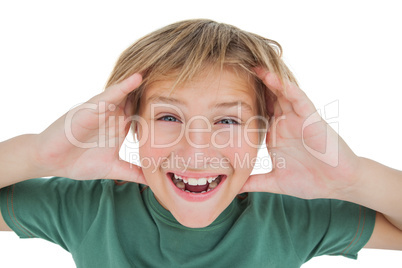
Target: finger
x,y
281,104
261,183
290,97
129,106
277,108
125,171
117,93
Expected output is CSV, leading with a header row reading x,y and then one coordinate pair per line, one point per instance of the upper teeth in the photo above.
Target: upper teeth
x,y
195,181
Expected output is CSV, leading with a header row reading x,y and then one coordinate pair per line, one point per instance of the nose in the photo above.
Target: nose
x,y
195,147
198,132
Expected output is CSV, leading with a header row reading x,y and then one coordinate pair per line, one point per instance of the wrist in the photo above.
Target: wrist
x,y
36,165
377,187
360,184
29,150
18,161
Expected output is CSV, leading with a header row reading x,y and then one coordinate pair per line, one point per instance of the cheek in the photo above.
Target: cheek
x,y
243,156
152,150
159,134
153,159
235,137
242,160
222,138
164,134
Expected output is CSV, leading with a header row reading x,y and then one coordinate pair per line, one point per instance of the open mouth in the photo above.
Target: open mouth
x,y
195,185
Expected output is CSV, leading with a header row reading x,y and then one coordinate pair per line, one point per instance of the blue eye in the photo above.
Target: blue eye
x,y
228,121
169,118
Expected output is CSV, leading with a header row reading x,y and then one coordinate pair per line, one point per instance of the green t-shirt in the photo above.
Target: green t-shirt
x,y
103,224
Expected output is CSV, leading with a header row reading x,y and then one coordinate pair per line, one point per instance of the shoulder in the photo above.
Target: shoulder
x,y
318,226
60,190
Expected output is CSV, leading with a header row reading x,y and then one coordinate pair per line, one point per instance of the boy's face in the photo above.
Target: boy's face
x,y
197,143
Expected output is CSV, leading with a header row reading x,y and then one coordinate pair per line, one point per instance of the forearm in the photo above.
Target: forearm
x,y
380,188
17,160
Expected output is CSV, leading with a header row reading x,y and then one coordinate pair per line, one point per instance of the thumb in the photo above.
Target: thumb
x,y
116,93
261,183
126,171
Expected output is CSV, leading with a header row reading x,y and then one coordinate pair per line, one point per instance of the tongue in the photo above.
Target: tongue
x,y
196,188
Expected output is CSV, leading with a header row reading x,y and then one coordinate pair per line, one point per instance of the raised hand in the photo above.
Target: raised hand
x,y
316,162
84,143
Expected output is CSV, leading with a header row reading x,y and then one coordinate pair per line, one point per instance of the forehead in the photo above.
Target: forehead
x,y
209,86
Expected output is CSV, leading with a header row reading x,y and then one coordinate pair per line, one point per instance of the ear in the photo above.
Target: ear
x,y
135,131
270,99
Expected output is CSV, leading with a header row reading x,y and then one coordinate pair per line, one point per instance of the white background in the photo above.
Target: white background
x,y
55,54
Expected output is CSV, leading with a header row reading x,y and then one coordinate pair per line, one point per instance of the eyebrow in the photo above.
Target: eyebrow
x,y
162,99
157,98
242,104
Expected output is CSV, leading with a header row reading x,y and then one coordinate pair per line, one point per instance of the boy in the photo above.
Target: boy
x,y
201,96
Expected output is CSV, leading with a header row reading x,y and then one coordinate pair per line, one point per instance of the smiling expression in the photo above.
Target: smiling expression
x,y
196,142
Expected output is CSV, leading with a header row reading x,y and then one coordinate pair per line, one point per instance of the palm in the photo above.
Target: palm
x,y
314,160
84,143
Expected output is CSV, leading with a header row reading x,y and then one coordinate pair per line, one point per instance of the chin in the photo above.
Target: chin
x,y
195,223
196,216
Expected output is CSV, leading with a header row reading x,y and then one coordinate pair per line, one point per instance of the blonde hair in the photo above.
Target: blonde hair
x,y
184,49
